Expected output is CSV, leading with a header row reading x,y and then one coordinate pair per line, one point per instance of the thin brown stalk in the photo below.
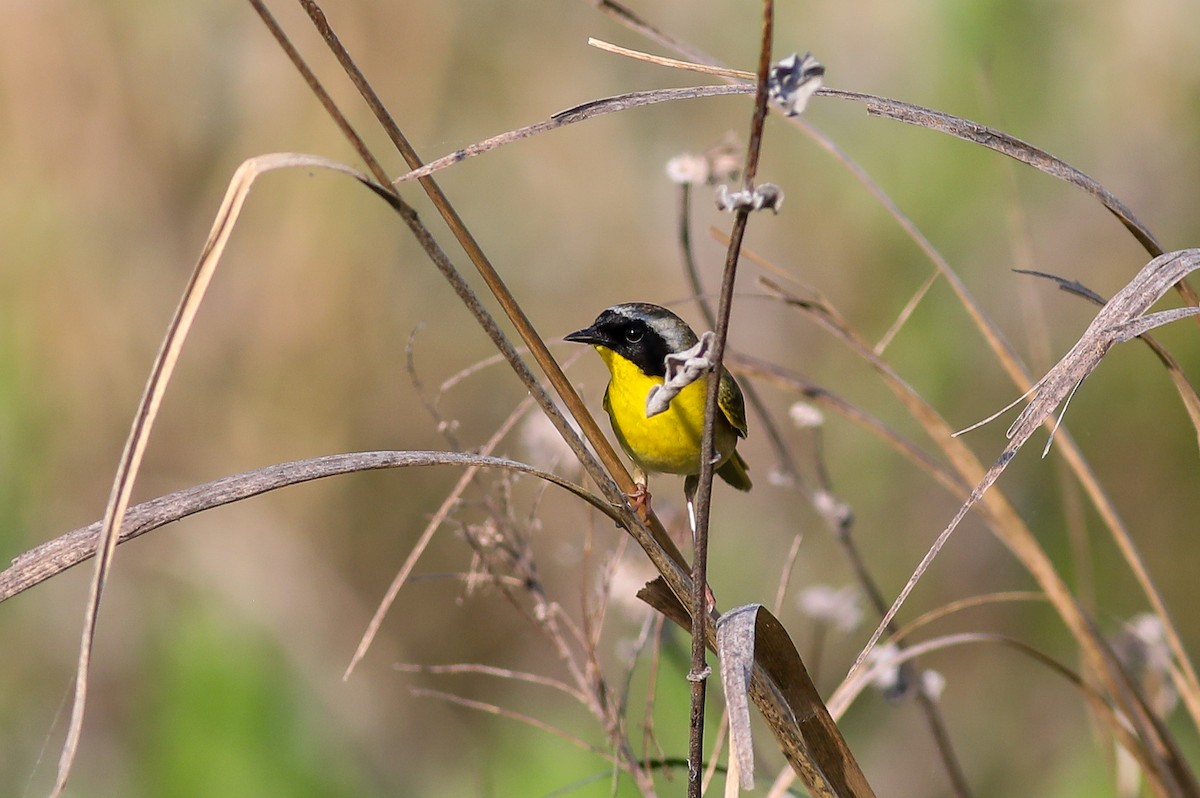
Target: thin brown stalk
x,y
147,411
640,765
906,312
528,720
673,63
476,668
785,573
703,495
426,536
936,614
649,740
786,465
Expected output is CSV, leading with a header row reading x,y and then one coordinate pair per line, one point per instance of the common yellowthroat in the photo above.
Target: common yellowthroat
x,y
634,340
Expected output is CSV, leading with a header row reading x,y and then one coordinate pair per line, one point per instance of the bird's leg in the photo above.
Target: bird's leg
x,y
690,483
639,498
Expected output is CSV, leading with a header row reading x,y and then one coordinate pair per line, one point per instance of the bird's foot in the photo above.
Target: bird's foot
x,y
639,500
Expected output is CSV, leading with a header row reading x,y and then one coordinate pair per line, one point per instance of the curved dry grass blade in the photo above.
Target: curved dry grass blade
x,y
53,557
578,113
499,673
851,689
1191,400
789,702
156,385
1004,144
1070,286
1015,534
528,720
781,664
1135,328
418,549
735,653
959,605
1118,321
1123,312
673,63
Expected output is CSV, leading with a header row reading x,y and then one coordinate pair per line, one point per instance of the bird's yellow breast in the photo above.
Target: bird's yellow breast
x,y
670,441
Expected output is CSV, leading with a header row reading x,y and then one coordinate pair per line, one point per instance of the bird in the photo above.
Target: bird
x,y
633,339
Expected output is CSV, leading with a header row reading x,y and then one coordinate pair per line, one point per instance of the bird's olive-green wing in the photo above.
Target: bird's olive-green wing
x,y
729,399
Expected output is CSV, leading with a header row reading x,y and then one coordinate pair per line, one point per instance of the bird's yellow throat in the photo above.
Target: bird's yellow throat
x,y
670,441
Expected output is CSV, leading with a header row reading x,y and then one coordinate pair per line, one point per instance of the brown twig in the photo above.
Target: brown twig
x,y
786,465
491,670
703,496
529,720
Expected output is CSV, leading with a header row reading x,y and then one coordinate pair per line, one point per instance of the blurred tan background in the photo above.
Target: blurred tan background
x,y
223,639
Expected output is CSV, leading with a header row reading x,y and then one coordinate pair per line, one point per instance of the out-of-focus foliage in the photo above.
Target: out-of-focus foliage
x,y
222,642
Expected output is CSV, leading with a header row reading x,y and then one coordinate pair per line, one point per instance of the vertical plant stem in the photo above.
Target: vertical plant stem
x,y
785,463
703,497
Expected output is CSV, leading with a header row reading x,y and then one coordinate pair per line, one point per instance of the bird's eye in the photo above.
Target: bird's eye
x,y
634,334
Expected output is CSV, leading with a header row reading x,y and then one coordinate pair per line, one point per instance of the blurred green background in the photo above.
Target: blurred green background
x,y
223,639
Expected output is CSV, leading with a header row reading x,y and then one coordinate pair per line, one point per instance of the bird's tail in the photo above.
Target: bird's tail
x,y
736,472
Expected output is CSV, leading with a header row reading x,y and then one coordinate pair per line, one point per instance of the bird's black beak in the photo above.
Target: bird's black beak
x,y
588,335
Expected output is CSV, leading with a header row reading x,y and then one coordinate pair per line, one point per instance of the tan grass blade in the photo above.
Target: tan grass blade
x,y
55,556
1003,143
735,654
578,113
418,549
1012,531
147,411
1119,320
